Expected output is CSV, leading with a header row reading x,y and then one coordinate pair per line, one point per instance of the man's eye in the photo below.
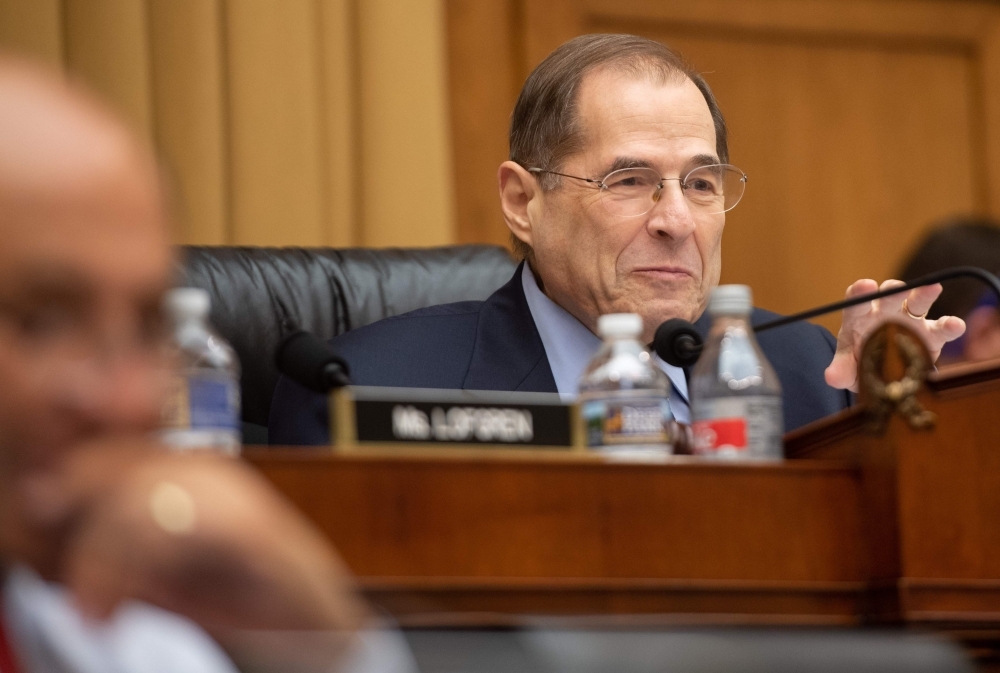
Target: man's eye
x,y
701,185
45,322
629,182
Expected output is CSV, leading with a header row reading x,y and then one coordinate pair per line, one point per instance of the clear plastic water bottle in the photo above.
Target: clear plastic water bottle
x,y
203,408
624,396
735,395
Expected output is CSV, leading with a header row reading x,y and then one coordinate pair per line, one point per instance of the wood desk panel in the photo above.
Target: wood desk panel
x,y
933,497
513,536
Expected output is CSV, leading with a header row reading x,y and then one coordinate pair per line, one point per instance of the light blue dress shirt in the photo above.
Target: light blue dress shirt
x,y
569,347
49,635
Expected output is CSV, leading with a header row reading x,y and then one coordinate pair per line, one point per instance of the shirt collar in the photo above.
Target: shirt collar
x,y
569,345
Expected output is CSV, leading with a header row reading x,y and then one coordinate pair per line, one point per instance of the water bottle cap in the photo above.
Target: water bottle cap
x,y
188,302
731,299
619,325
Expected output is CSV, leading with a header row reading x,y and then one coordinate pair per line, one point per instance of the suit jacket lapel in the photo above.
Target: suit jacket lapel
x,y
508,354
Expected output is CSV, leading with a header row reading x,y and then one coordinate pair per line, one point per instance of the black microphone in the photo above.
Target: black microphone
x,y
310,362
677,342
673,344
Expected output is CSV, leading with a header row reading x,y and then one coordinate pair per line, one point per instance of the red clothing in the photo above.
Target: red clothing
x,y
8,663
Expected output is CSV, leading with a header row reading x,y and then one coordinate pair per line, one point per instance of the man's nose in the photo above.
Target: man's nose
x,y
671,216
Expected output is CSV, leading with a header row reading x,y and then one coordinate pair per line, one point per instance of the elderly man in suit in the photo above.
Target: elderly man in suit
x,y
615,193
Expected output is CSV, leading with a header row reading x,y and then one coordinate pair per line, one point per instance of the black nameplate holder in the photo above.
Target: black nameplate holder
x,y
368,417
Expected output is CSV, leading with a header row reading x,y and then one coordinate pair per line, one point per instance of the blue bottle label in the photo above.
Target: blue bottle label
x,y
214,402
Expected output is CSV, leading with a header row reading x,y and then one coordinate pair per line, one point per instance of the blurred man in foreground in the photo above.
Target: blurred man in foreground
x,y
85,499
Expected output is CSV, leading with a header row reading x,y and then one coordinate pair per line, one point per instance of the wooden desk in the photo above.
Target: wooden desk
x,y
900,526
494,538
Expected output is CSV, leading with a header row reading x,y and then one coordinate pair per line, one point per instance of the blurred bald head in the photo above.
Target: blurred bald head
x,y
61,151
84,261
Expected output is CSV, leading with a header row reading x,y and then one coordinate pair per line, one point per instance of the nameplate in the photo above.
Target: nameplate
x,y
366,416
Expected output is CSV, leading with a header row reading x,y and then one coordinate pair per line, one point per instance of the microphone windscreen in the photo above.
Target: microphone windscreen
x,y
677,342
307,360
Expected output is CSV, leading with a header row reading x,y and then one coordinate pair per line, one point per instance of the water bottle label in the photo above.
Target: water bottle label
x,y
720,435
738,426
203,401
617,422
215,402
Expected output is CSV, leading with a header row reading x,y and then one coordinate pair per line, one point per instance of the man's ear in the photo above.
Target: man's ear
x,y
518,188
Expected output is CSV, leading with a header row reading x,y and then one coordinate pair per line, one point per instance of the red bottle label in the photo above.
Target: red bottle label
x,y
716,434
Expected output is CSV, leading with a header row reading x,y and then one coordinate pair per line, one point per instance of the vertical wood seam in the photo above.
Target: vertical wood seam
x,y
63,36
322,111
977,127
147,31
989,66
357,153
225,118
518,29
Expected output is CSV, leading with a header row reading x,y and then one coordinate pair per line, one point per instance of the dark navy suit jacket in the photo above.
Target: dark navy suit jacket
x,y
494,345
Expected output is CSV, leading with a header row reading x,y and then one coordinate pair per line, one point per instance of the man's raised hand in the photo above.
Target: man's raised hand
x,y
860,320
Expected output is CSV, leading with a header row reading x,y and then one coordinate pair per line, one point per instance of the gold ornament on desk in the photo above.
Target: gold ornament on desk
x,y
894,364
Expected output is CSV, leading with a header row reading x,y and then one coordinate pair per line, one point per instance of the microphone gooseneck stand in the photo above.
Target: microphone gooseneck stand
x,y
930,279
678,343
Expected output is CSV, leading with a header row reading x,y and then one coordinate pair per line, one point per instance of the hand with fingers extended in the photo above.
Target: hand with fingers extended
x,y
860,320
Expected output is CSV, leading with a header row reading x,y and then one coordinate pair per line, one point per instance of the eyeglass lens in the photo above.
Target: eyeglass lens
x,y
631,192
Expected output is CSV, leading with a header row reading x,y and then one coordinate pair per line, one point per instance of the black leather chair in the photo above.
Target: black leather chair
x,y
327,292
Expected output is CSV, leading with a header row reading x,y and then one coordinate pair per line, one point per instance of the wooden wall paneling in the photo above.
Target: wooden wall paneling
x,y
339,123
989,80
274,122
106,44
186,53
485,76
406,173
840,112
547,25
949,20
32,28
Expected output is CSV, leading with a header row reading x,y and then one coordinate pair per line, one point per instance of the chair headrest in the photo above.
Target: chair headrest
x,y
326,291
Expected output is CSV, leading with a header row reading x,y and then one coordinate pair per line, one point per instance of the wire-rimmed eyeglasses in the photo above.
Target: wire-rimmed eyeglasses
x,y
631,192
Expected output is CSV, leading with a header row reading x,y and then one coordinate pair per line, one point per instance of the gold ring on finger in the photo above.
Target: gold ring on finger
x,y
910,313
